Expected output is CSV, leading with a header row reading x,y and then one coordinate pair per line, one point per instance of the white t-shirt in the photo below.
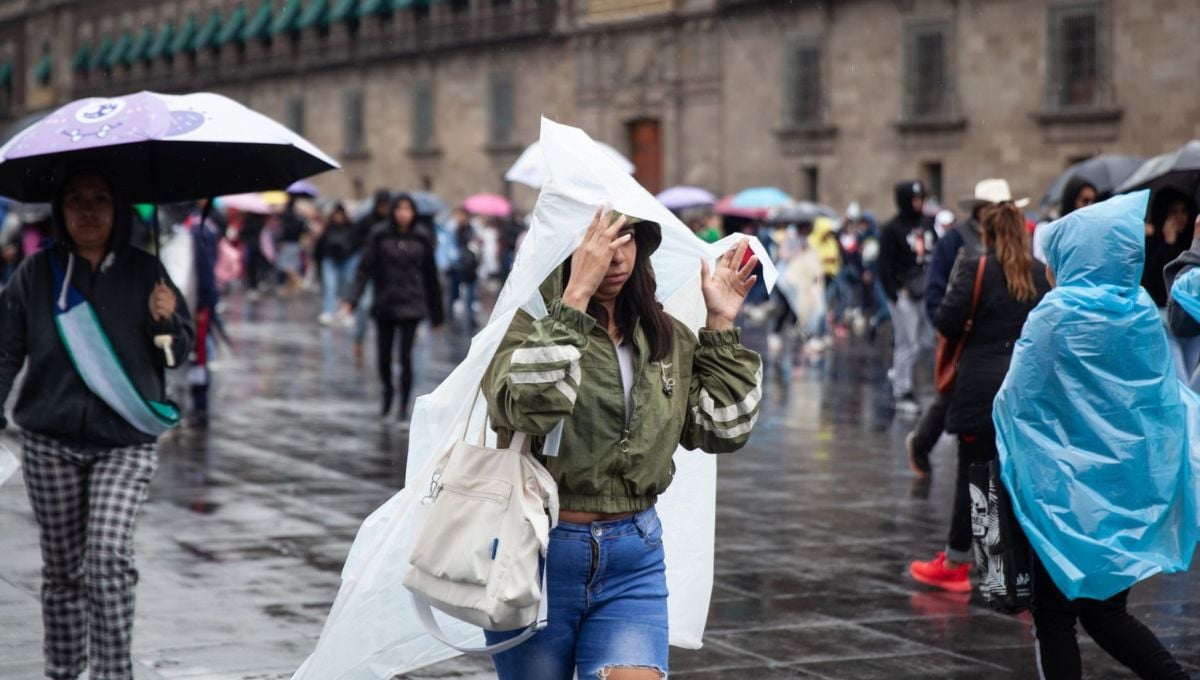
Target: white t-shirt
x,y
625,359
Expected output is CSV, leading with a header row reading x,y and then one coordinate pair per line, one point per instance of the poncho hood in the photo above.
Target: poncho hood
x,y
1101,245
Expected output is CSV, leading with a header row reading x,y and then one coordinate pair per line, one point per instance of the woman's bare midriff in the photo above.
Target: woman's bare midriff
x,y
573,517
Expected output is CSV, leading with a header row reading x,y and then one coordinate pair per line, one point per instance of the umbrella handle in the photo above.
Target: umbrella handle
x,y
163,342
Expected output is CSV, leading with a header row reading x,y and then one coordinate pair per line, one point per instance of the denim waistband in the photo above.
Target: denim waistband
x,y
640,523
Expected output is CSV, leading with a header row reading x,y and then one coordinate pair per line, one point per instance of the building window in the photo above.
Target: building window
x,y
812,183
422,116
928,80
460,6
931,173
294,115
804,95
352,121
1077,63
501,102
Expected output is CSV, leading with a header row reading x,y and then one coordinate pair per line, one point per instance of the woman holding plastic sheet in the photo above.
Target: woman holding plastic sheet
x,y
1094,433
90,451
1013,284
630,383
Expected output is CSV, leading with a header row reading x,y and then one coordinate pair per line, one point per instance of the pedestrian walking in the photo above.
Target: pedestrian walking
x,y
76,315
966,236
1012,284
335,250
205,235
905,246
379,214
290,257
1094,432
398,262
630,384
462,274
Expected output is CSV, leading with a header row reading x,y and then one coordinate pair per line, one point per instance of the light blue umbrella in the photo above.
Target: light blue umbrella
x,y
759,198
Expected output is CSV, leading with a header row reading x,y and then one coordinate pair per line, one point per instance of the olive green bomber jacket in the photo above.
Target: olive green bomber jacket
x,y
563,367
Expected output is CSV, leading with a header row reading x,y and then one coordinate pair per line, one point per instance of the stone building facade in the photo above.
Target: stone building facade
x,y
829,99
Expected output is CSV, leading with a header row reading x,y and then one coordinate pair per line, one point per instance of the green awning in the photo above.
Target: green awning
x,y
162,44
286,21
260,25
185,36
44,69
405,4
232,30
83,59
140,45
100,56
6,72
119,50
368,8
315,14
207,35
343,10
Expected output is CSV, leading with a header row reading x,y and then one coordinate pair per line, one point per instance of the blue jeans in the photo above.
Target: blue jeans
x,y
607,585
335,278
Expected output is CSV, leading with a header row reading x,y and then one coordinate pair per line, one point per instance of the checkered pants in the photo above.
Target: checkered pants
x,y
85,502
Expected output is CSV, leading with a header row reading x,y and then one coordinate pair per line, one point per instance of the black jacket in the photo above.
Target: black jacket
x,y
996,329
901,266
54,401
337,243
402,268
1181,323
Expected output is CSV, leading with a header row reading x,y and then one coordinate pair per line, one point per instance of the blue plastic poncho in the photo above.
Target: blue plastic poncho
x,y
1186,292
1097,438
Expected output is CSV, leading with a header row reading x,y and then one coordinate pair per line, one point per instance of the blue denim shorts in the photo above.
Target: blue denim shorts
x,y
608,603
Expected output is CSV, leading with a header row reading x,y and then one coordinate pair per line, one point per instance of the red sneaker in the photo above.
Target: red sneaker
x,y
935,573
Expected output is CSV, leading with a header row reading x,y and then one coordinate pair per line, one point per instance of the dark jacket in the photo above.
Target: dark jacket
x,y
998,322
337,243
905,245
965,233
402,268
1159,253
54,401
1180,322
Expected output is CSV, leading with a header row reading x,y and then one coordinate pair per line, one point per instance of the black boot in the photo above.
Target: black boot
x,y
389,395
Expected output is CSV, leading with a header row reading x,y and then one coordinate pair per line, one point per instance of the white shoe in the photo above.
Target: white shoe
x,y
325,318
774,344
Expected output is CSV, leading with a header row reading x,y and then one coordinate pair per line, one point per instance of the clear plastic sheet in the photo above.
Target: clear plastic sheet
x,y
1099,442
371,631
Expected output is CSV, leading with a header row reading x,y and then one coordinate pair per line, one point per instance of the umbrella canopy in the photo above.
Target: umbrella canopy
x,y
164,148
531,169
247,203
1105,172
428,203
680,198
1179,169
761,197
303,187
488,205
801,211
726,207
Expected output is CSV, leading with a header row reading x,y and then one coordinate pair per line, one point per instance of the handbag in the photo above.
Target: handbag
x,y
1002,552
481,552
946,356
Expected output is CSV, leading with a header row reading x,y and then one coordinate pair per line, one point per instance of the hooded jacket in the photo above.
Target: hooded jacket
x,y
905,245
401,266
53,400
1098,440
564,367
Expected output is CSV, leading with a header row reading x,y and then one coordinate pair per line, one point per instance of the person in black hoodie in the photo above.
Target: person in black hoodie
x,y
87,469
380,208
399,262
905,248
1173,216
335,251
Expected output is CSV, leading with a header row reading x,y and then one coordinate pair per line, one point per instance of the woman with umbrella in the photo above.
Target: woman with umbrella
x,y
90,444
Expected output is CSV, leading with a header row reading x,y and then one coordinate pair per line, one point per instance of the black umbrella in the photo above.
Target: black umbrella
x,y
1105,172
1179,169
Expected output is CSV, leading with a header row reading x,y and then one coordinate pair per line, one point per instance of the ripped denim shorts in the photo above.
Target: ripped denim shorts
x,y
608,604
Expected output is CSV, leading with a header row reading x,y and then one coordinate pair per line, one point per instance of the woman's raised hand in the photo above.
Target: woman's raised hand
x,y
726,288
590,261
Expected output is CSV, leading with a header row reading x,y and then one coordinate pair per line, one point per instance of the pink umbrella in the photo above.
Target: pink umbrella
x,y
246,203
488,205
725,207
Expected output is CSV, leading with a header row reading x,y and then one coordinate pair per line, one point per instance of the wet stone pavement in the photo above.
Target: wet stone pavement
x,y
250,517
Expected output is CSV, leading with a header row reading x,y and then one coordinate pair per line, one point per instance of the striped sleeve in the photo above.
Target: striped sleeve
x,y
724,395
532,382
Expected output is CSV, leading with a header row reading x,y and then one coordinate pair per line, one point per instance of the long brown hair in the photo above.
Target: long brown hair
x,y
637,302
1005,234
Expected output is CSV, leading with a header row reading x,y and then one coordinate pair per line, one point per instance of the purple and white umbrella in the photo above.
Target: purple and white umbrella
x,y
160,148
679,198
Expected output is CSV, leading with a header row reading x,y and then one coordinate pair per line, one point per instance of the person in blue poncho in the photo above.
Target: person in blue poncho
x,y
1096,438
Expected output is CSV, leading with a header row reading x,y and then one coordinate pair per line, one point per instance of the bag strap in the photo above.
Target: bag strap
x,y
975,296
425,614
